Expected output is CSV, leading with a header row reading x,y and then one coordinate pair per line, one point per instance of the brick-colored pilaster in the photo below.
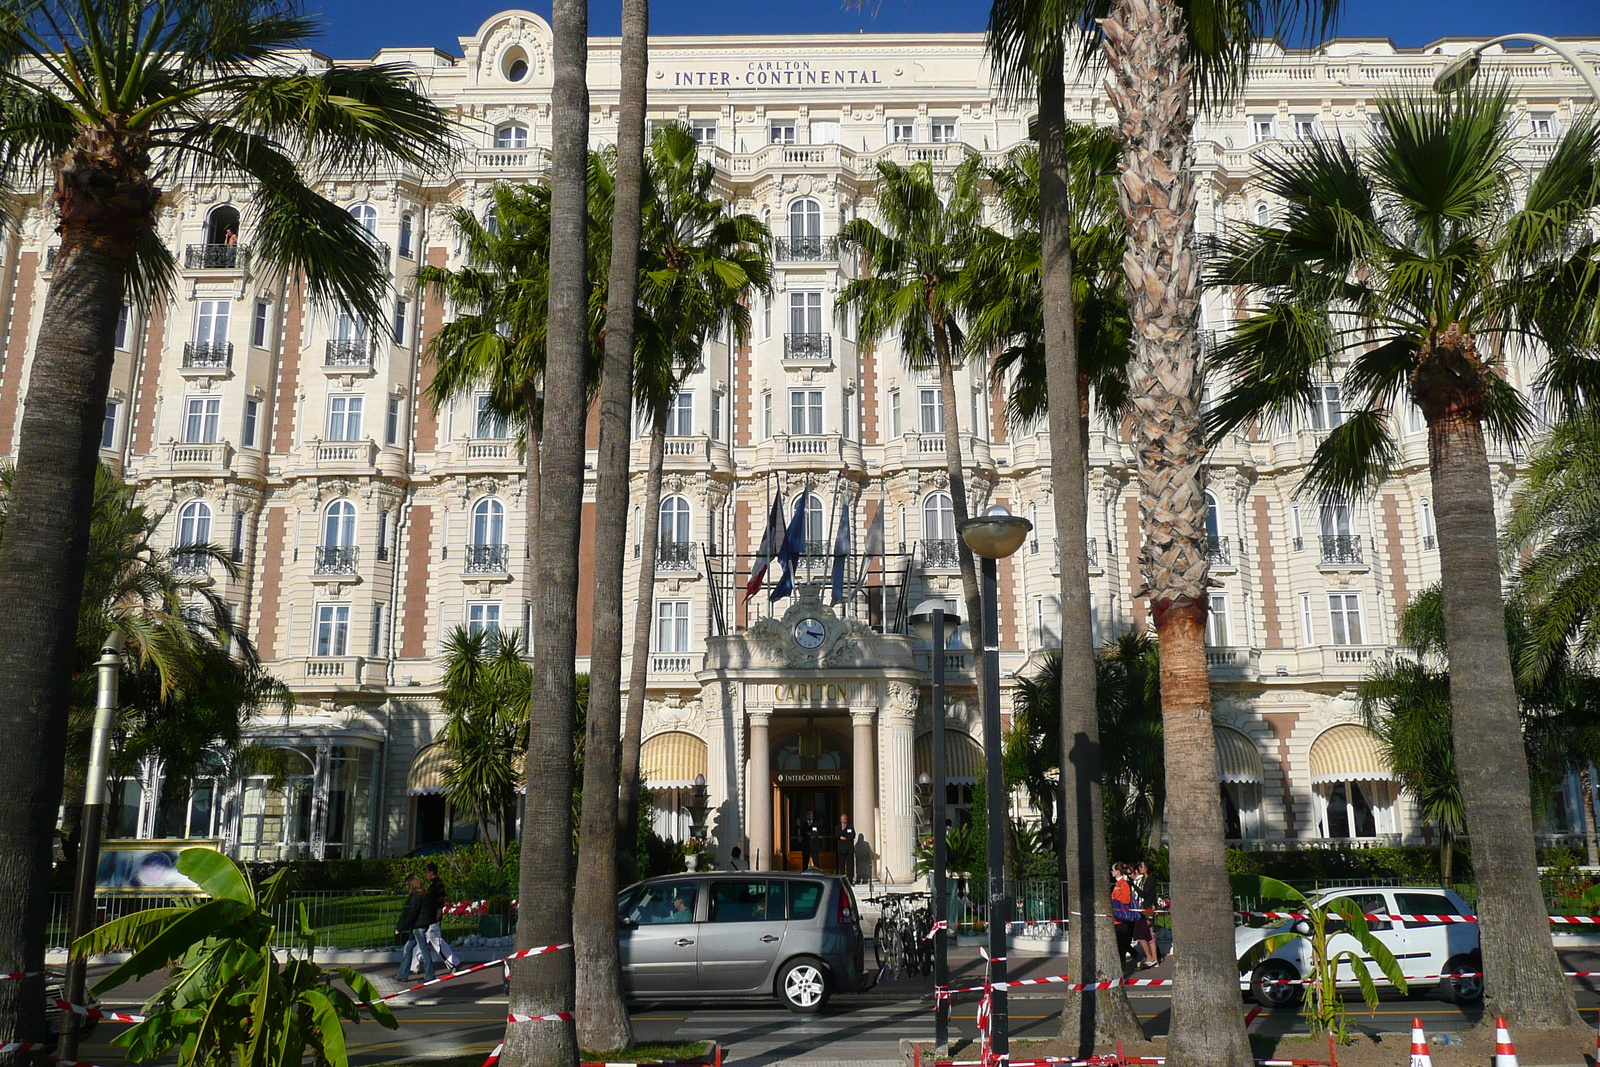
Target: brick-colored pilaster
x,y
19,327
1267,575
414,619
270,552
1394,545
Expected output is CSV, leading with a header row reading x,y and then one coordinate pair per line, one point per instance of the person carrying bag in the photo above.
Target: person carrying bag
x,y
415,918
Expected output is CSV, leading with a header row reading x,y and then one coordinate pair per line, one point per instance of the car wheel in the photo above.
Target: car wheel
x,y
1275,984
803,986
1462,990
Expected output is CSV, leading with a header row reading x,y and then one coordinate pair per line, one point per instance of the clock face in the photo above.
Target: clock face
x,y
808,633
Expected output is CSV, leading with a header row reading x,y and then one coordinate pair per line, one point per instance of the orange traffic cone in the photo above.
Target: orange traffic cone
x,y
1419,1046
1505,1053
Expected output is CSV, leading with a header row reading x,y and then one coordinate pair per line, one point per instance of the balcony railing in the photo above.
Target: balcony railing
x,y
216,257
486,559
208,355
349,352
1430,542
807,346
191,563
797,249
675,556
671,663
336,559
940,553
1341,548
1218,550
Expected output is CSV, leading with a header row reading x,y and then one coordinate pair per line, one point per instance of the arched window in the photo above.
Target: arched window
x,y
407,228
805,218
367,216
491,222
1213,519
222,225
339,525
488,522
511,135
194,524
675,521
1263,214
938,518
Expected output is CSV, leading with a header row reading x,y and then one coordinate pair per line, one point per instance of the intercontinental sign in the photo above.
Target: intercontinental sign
x,y
774,73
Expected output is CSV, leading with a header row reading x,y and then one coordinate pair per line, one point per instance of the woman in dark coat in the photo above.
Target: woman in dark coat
x,y
415,918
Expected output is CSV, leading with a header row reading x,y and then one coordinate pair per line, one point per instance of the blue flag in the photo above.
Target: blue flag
x,y
794,546
841,550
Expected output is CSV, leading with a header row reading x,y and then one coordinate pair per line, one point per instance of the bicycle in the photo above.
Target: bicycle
x,y
899,936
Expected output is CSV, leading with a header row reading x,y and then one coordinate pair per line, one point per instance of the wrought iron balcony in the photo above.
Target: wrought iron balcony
x,y
336,559
940,554
675,556
208,355
1094,553
1218,550
486,559
50,255
795,249
1341,548
349,352
191,563
216,257
1430,542
807,346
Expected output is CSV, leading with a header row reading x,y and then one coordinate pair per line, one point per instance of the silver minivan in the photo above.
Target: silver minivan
x,y
741,934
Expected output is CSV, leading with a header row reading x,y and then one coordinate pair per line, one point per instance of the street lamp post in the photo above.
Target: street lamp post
x,y
94,808
930,622
1459,71
994,535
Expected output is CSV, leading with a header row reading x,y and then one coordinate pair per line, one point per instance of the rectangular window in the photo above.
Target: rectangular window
x,y
333,629
781,133
402,309
1344,618
1046,621
766,415
200,417
805,411
1261,128
1542,124
383,536
894,413
1308,630
716,416
902,131
1294,527
766,317
942,131
344,418
1218,632
490,423
406,227
680,420
108,428
258,325
378,623
824,132
672,626
1305,127
1415,423
1326,414
238,538
252,420
930,411
122,326
705,132
805,312
483,617
1429,534
1335,519
211,321
391,423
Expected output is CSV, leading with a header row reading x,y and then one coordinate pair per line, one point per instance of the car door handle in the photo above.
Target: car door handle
x,y
684,941
770,938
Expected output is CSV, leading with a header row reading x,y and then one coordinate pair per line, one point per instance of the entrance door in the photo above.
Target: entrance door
x,y
825,803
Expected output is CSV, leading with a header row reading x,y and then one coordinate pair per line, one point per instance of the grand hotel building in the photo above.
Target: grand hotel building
x,y
366,527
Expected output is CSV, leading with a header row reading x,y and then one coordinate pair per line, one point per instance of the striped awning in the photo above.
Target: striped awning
x,y
1347,754
1237,758
673,759
963,757
427,771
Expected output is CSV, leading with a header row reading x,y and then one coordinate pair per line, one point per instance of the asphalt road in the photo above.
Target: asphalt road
x,y
466,1017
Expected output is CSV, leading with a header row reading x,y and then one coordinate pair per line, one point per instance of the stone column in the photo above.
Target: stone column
x,y
863,779
896,799
758,792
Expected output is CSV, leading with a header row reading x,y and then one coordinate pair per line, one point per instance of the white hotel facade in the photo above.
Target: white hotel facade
x,y
366,527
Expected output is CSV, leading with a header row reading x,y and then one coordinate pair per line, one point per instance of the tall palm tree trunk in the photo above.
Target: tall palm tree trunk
x,y
1096,1018
1522,977
544,984
1149,87
639,670
958,501
602,1017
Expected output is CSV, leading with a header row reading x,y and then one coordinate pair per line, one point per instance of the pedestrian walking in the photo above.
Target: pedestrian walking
x,y
1123,911
810,832
844,844
437,895
415,918
1144,929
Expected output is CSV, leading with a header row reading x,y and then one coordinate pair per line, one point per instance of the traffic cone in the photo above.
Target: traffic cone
x,y
1419,1046
1505,1053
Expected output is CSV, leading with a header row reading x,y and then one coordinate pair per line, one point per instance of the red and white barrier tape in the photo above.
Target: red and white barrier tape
x,y
477,967
13,976
935,928
553,1017
494,1056
96,1013
21,1046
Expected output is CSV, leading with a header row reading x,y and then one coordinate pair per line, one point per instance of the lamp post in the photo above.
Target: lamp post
x,y
93,822
1459,71
993,536
932,622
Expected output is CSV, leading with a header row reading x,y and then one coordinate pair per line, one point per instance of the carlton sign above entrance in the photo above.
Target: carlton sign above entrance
x,y
775,74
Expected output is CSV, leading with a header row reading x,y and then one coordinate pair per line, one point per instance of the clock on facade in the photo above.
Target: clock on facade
x,y
808,633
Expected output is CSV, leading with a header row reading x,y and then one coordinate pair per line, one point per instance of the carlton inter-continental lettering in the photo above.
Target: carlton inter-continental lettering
x,y
779,73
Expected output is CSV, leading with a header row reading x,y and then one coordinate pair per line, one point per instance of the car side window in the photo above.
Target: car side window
x,y
805,898
664,904
1424,904
1373,904
745,902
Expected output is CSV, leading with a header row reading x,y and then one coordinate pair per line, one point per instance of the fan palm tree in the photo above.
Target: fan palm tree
x,y
700,261
117,96
1412,263
486,683
912,287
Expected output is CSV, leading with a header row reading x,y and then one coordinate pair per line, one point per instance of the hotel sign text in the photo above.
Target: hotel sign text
x,y
777,73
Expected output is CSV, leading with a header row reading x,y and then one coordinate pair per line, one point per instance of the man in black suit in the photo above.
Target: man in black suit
x,y
844,844
809,832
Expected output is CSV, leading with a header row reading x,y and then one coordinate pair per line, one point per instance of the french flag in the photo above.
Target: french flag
x,y
770,542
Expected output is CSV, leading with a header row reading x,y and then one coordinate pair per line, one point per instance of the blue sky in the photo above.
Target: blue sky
x,y
357,28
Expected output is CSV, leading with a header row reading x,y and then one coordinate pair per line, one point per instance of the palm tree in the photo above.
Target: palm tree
x,y
1412,261
120,93
700,262
486,682
544,984
912,286
602,1017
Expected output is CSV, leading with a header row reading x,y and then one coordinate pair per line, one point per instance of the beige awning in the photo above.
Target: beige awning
x,y
427,771
672,759
963,758
1237,758
1347,754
